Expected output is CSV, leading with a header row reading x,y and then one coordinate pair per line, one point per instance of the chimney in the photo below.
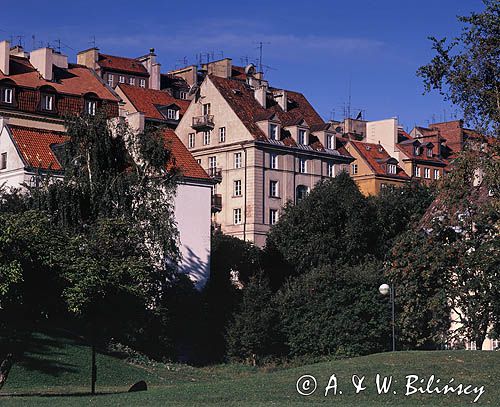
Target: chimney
x,y
88,58
4,57
282,99
189,74
153,68
18,51
222,68
260,94
41,59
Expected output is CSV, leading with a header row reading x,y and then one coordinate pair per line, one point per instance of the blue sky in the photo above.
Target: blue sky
x,y
316,47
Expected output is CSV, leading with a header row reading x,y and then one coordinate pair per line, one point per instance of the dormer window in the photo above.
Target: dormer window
x,y
330,141
429,152
392,169
48,103
273,131
183,95
142,83
132,81
302,138
121,79
7,95
416,150
172,114
91,107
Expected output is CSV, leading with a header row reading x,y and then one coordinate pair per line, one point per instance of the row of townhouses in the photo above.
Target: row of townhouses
x,y
244,147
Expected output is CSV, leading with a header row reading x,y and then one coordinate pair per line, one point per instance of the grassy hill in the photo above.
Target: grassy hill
x,y
55,371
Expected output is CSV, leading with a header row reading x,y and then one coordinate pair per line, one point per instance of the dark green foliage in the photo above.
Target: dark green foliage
x,y
334,224
467,69
335,311
398,209
254,332
420,271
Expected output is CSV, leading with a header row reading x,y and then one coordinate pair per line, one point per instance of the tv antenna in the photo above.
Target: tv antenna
x,y
93,42
260,47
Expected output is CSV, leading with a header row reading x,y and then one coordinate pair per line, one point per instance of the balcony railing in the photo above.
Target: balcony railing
x,y
215,173
204,122
216,203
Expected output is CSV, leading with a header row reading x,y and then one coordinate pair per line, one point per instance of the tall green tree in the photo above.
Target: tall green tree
x,y
466,70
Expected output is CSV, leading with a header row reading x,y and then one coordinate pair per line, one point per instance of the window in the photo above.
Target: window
x,y
3,161
273,216
237,160
237,188
206,109
354,169
303,165
237,216
273,189
301,192
191,140
273,131
121,79
6,95
183,95
206,137
436,174
142,83
172,114
198,160
330,141
222,134
110,79
48,102
427,173
391,169
132,81
212,162
429,152
331,169
416,150
90,107
274,161
302,137
416,171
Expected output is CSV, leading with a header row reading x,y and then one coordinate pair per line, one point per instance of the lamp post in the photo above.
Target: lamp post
x,y
385,289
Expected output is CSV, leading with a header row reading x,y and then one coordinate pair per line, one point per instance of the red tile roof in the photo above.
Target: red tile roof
x,y
34,145
76,80
241,99
377,158
146,100
182,158
123,64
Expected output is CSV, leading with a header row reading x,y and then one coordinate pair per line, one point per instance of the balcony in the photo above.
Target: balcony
x,y
205,122
215,173
216,203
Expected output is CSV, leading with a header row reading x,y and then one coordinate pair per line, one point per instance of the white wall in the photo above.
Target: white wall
x,y
193,216
384,132
14,175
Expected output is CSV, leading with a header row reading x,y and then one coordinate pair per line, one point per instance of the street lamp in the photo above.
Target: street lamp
x,y
385,289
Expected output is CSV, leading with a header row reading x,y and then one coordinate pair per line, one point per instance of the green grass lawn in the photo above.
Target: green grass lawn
x,y
56,370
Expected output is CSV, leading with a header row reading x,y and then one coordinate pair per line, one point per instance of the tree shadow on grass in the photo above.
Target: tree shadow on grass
x,y
61,394
39,351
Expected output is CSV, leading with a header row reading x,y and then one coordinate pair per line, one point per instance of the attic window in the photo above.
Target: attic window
x,y
416,150
330,141
183,95
172,114
91,107
302,137
273,131
3,161
429,152
48,102
7,95
391,169
237,91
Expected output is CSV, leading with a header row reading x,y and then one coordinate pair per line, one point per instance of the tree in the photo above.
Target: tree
x,y
331,311
334,224
254,332
467,70
115,205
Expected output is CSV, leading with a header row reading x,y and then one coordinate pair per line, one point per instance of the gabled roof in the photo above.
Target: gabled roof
x,y
241,99
182,158
123,64
35,146
77,80
377,158
169,81
407,146
147,100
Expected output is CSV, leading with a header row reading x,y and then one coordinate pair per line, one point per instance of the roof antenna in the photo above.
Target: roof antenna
x,y
92,42
261,45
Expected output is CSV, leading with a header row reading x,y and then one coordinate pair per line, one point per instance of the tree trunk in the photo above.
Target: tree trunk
x,y
5,369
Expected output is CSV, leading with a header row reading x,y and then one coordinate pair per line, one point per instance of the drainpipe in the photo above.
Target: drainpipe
x,y
245,197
